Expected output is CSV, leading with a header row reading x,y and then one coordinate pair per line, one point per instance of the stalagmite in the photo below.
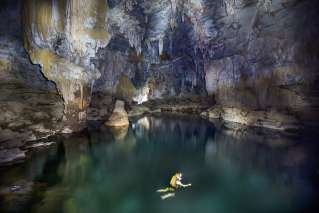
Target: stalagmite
x,y
119,117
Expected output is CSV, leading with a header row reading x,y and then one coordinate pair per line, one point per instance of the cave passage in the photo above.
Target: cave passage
x,y
103,101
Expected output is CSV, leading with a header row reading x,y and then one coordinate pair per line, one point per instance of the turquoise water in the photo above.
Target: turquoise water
x,y
102,170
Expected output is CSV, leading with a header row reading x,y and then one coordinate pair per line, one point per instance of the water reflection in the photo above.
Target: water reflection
x,y
119,170
119,133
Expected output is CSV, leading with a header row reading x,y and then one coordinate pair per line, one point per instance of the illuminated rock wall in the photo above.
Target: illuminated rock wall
x,y
62,36
248,54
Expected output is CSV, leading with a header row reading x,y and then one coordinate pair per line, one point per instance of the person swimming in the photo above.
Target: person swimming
x,y
175,183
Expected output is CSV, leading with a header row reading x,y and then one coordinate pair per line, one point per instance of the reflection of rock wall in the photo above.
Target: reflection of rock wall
x,y
62,36
258,150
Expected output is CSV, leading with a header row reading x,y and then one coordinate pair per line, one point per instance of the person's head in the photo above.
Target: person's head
x,y
179,175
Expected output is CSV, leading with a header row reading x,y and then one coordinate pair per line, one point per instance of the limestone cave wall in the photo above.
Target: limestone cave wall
x,y
251,55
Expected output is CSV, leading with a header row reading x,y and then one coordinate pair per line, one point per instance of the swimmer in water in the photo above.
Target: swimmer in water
x,y
175,183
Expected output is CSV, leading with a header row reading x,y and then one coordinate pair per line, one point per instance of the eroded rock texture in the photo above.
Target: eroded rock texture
x,y
119,116
30,106
62,36
264,58
251,55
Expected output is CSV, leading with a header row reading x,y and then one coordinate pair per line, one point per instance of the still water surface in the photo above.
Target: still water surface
x,y
120,170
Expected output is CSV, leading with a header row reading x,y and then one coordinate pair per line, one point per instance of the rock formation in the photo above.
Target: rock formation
x,y
30,106
251,55
256,58
62,36
262,60
258,118
119,116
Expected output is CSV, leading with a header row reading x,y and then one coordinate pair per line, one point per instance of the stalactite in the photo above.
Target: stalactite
x,y
92,87
55,13
174,6
171,43
81,91
160,45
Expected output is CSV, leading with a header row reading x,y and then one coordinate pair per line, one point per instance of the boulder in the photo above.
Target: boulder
x,y
119,116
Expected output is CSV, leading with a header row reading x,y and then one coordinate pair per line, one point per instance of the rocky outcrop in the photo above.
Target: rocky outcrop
x,y
62,36
255,55
31,108
138,111
259,62
271,119
119,116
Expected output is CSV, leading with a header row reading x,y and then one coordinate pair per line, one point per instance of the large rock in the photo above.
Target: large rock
x,y
119,117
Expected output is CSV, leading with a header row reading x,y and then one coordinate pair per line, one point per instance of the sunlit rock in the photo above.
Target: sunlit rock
x,y
119,116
